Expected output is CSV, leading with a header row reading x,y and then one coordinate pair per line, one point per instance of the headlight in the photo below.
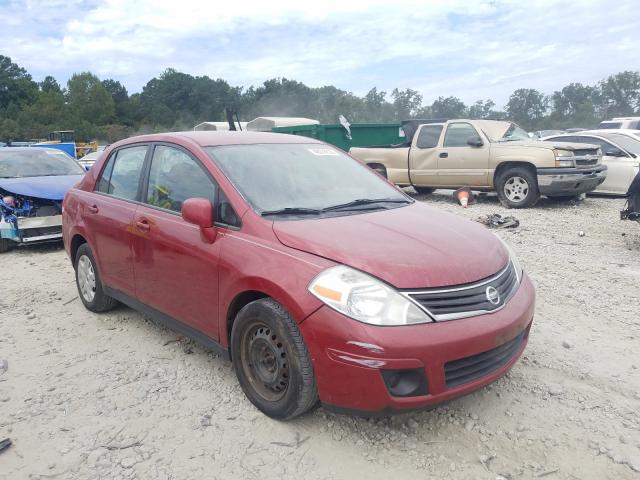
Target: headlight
x,y
564,158
364,298
514,259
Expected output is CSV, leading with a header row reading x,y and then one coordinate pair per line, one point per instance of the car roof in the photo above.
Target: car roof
x,y
216,138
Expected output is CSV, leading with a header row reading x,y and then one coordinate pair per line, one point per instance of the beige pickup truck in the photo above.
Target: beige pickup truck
x,y
486,155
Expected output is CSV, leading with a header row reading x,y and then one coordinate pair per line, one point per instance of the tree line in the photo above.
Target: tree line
x,y
104,109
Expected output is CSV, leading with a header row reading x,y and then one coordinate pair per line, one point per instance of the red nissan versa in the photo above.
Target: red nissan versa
x,y
320,280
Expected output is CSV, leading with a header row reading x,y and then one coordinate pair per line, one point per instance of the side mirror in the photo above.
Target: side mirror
x,y
199,211
475,141
614,152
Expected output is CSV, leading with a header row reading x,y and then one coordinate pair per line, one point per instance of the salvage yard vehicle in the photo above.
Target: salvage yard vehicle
x,y
620,153
621,122
486,155
632,208
267,248
33,182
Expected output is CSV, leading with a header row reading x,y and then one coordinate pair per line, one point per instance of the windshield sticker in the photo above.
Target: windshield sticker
x,y
324,152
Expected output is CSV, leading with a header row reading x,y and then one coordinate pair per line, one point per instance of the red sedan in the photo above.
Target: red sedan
x,y
320,280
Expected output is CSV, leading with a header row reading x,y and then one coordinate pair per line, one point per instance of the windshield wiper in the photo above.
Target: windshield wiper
x,y
364,201
292,211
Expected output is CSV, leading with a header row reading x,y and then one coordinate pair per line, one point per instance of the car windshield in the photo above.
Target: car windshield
x,y
630,144
514,133
301,179
36,162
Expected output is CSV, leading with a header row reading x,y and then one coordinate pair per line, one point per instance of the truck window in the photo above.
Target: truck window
x,y
429,136
458,134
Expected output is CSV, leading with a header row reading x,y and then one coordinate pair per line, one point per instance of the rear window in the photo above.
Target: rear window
x,y
429,136
610,125
121,175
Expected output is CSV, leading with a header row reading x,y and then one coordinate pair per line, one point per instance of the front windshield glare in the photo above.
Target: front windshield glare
x,y
513,133
36,162
302,176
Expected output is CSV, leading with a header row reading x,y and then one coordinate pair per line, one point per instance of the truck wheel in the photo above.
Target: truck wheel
x,y
517,187
89,283
4,245
423,190
271,361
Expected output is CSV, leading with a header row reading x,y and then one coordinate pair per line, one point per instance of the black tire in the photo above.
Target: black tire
x,y
271,361
564,198
100,302
424,190
4,245
522,187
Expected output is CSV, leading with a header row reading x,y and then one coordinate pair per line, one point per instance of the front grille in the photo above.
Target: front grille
x,y
586,157
468,300
470,368
41,231
581,152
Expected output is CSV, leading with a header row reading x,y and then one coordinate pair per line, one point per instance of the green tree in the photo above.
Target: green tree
x,y
527,107
482,109
448,107
50,84
90,104
406,103
620,95
16,85
574,105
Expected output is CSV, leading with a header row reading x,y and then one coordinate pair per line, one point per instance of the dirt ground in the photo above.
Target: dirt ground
x,y
116,396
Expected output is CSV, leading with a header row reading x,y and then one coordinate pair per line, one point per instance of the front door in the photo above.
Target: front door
x,y
423,156
109,213
460,164
176,271
620,166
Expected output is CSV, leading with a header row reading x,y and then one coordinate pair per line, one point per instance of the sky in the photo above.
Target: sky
x,y
472,49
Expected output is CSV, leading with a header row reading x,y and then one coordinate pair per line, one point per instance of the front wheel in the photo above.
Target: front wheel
x,y
271,360
517,187
89,283
4,245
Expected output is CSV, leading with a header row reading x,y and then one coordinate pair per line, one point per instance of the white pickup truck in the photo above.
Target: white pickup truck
x,y
486,155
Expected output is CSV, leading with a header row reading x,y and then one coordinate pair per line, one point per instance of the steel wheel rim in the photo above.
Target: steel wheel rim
x,y
86,278
516,189
264,361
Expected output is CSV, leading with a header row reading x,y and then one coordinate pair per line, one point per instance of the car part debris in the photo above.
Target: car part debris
x,y
495,220
463,196
4,444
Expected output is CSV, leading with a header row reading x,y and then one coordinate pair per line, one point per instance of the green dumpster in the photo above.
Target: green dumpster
x,y
362,134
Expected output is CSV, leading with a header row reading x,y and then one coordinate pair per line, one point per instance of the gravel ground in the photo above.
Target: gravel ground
x,y
116,396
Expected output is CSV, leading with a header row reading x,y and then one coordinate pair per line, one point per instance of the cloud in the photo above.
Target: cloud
x,y
482,49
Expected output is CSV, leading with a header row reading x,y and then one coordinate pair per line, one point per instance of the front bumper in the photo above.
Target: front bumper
x,y
33,229
349,357
570,181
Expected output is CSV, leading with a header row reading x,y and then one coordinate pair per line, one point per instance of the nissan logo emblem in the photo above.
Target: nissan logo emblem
x,y
493,296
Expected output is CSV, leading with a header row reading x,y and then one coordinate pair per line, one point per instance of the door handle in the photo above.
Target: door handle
x,y
444,155
93,209
143,225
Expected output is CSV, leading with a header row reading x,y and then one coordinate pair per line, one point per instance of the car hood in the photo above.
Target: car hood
x,y
49,188
409,247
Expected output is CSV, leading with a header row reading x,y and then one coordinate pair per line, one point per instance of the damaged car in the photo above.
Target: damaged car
x,y
33,183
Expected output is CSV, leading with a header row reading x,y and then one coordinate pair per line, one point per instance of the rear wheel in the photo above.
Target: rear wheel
x,y
423,190
271,360
88,282
517,187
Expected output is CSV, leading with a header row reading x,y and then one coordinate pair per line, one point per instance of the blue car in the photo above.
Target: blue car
x,y
33,183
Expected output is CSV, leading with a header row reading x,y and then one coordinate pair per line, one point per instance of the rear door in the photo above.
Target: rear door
x,y
423,159
108,213
176,271
459,163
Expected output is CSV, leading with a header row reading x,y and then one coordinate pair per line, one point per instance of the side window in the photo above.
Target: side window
x,y
565,139
174,177
225,213
458,134
121,175
429,136
604,146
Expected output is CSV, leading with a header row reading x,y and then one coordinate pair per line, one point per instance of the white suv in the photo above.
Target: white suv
x,y
632,123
